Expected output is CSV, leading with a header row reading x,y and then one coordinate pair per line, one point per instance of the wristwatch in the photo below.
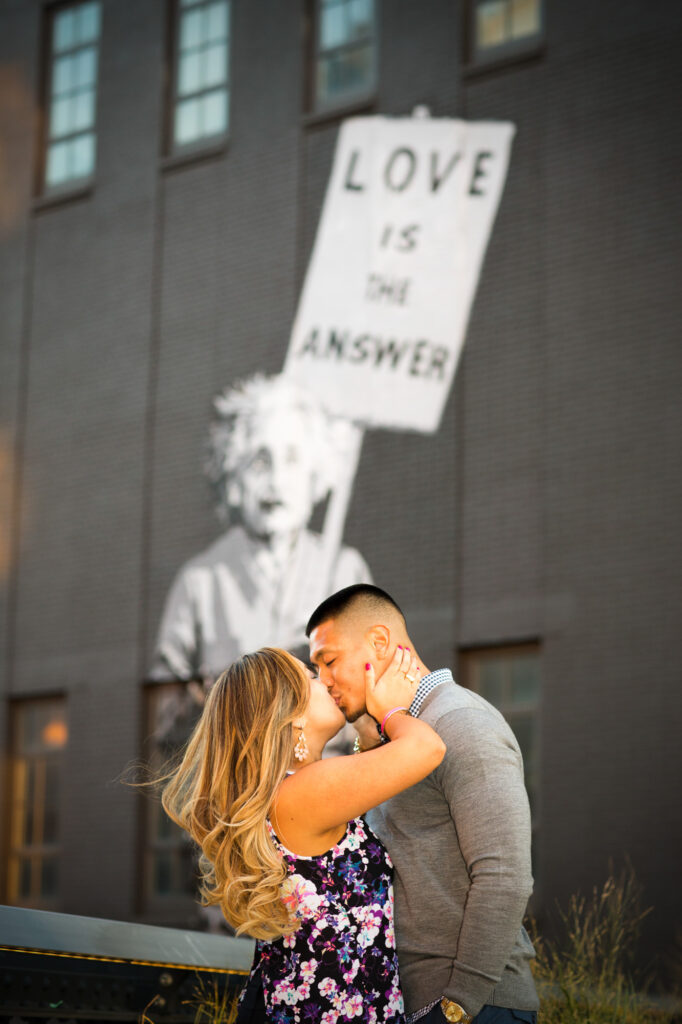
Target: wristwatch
x,y
455,1013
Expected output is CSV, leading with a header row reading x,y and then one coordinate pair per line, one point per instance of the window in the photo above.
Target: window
x,y
509,678
170,871
39,736
71,95
504,28
345,51
201,80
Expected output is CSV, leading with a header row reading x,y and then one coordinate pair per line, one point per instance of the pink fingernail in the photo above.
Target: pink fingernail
x,y
400,647
367,667
408,648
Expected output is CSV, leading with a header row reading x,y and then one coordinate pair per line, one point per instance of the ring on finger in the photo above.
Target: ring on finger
x,y
412,679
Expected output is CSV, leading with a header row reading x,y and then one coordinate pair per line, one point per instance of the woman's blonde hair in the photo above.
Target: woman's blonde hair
x,y
224,787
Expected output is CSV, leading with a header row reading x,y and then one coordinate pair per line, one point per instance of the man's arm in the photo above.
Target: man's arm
x,y
482,781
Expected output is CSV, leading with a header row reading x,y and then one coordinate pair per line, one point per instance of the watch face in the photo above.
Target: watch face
x,y
452,1011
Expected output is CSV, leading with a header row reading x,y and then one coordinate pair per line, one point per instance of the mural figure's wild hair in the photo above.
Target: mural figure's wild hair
x,y
239,409
224,787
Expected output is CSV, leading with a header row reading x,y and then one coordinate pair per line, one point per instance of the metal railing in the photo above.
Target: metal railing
x,y
61,967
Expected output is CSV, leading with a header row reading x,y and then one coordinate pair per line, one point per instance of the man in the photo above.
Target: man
x,y
272,457
459,840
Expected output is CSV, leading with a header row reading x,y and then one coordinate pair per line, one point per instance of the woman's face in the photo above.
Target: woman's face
x,y
322,714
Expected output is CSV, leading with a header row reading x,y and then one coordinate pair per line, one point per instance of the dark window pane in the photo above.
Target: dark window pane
x,y
525,680
49,877
165,828
344,73
25,878
28,802
162,874
491,681
345,57
51,819
188,873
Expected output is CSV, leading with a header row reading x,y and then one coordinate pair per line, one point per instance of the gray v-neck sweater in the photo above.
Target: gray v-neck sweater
x,y
460,844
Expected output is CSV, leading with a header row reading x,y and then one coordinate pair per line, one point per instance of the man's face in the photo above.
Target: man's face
x,y
276,480
340,654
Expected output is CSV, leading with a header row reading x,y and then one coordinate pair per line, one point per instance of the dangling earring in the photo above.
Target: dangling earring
x,y
301,749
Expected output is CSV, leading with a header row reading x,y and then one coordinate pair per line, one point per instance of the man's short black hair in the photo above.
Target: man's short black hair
x,y
342,600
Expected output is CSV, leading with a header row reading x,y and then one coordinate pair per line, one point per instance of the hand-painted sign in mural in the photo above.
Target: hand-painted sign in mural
x,y
404,228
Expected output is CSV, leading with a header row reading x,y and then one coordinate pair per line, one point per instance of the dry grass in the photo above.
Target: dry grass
x,y
211,1005
589,975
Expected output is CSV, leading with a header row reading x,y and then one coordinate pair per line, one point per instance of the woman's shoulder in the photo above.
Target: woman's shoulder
x,y
357,834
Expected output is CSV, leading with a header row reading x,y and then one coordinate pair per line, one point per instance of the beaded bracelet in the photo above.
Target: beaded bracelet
x,y
387,716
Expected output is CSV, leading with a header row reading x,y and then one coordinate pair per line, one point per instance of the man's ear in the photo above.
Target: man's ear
x,y
379,637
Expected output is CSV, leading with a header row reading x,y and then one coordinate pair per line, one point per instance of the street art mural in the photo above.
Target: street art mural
x,y
380,324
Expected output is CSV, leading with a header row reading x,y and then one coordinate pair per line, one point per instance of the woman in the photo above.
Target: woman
x,y
285,853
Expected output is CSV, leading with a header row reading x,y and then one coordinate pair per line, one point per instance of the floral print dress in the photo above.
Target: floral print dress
x,y
341,963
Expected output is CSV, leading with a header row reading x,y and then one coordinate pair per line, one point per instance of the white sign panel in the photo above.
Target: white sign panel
x,y
384,309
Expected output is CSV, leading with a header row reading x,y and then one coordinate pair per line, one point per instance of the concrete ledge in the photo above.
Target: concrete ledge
x,y
41,930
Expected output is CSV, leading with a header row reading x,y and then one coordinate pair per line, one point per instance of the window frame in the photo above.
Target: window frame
x,y
348,102
14,850
178,906
44,192
468,657
172,152
509,52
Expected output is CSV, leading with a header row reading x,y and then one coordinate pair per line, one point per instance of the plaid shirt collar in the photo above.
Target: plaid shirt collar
x,y
426,685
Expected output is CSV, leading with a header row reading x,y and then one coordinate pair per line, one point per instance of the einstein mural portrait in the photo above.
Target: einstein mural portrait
x,y
272,455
